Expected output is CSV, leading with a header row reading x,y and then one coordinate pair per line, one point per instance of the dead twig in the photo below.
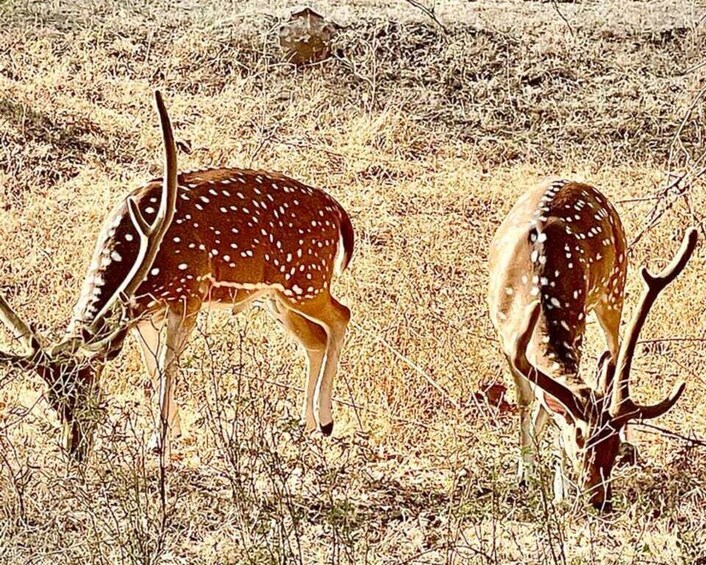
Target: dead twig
x,y
657,430
429,12
563,17
673,339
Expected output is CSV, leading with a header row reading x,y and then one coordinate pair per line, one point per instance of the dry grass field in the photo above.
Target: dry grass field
x,y
426,137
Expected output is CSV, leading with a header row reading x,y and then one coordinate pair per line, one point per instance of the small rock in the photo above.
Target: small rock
x,y
306,38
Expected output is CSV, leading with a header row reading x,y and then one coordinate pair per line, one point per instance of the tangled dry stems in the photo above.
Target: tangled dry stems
x,y
426,137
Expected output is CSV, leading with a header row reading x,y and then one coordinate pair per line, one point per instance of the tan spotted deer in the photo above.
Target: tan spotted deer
x,y
223,237
559,255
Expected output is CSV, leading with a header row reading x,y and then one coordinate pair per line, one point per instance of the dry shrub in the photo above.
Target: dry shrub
x,y
426,138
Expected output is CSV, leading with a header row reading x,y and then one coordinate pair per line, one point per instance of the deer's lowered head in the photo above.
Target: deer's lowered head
x,y
72,367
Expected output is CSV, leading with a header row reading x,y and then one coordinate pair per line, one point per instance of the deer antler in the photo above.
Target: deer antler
x,y
17,326
151,236
621,405
521,364
22,332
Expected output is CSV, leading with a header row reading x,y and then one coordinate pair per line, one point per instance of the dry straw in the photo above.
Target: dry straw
x,y
426,136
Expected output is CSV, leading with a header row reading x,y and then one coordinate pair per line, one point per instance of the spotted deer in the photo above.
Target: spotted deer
x,y
559,255
219,237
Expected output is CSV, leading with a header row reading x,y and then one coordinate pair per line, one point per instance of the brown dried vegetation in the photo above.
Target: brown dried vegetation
x,y
426,137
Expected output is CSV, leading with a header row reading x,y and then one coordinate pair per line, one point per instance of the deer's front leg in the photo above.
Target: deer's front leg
x,y
162,339
525,399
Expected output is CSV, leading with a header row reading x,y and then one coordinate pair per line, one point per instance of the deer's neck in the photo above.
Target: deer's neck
x,y
557,346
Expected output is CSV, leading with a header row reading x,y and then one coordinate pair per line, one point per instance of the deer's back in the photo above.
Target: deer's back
x,y
562,244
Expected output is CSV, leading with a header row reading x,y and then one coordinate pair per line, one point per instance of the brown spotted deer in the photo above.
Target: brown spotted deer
x,y
560,254
222,237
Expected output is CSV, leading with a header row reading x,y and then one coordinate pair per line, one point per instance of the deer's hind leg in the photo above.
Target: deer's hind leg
x,y
313,338
326,312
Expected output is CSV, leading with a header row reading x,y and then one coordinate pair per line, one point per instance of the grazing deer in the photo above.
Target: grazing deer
x,y
560,254
224,237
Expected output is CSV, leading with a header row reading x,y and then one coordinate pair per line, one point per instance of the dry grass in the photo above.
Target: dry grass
x,y
426,139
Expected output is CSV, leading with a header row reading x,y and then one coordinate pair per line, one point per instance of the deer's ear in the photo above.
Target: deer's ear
x,y
554,405
604,358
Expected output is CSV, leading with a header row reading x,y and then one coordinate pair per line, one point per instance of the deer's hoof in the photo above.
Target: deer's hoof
x,y
327,429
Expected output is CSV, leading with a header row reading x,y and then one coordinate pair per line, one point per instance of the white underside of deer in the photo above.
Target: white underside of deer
x,y
227,238
559,255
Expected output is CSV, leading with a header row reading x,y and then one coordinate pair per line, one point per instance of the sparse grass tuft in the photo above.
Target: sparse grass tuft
x,y
426,137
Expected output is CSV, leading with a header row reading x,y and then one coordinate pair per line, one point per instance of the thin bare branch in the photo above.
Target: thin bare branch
x,y
563,17
693,441
429,12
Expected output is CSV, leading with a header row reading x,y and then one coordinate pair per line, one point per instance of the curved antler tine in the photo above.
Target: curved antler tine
x,y
651,411
138,220
151,236
654,284
521,364
672,271
21,331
